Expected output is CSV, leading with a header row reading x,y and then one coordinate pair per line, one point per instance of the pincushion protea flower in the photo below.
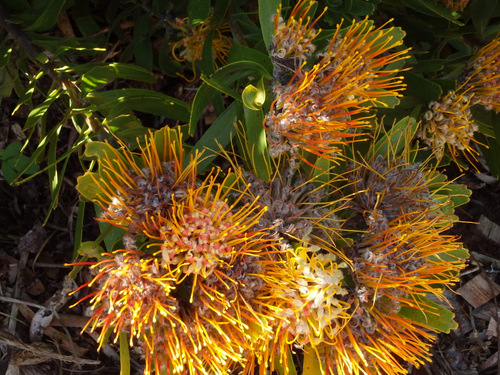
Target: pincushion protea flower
x,y
292,41
319,107
388,188
133,187
192,38
482,76
448,125
394,268
193,300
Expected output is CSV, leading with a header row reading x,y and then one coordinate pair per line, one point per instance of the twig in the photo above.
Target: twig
x,y
11,340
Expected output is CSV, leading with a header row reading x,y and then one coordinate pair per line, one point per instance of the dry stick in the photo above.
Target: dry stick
x,y
11,340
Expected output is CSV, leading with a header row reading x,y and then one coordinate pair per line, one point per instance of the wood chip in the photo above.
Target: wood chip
x,y
479,290
492,330
489,229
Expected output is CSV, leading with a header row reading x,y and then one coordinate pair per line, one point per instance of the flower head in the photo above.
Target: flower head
x,y
192,38
448,125
292,39
195,300
318,108
132,187
204,230
482,76
392,269
386,189
315,311
131,292
455,5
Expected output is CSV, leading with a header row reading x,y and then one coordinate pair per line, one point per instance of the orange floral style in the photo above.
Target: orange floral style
x,y
319,108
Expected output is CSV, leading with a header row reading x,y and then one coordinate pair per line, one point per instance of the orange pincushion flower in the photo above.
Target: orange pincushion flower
x,y
205,290
192,38
482,76
203,231
132,187
131,292
448,124
316,109
292,40
394,268
386,189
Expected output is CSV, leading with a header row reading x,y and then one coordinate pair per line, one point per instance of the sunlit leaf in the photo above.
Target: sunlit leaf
x,y
429,314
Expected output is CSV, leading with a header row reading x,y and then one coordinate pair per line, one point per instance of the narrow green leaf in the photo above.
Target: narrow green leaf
x,y
118,102
218,135
224,78
481,13
142,44
287,368
78,232
312,364
257,143
124,354
38,112
240,52
48,17
204,95
267,10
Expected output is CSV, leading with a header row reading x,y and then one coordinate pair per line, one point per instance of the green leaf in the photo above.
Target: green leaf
x,y
218,135
118,102
257,143
124,354
254,97
39,112
396,138
481,13
428,7
421,88
429,314
90,249
127,128
48,17
289,368
267,10
142,45
87,187
240,52
198,11
223,78
312,364
204,95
